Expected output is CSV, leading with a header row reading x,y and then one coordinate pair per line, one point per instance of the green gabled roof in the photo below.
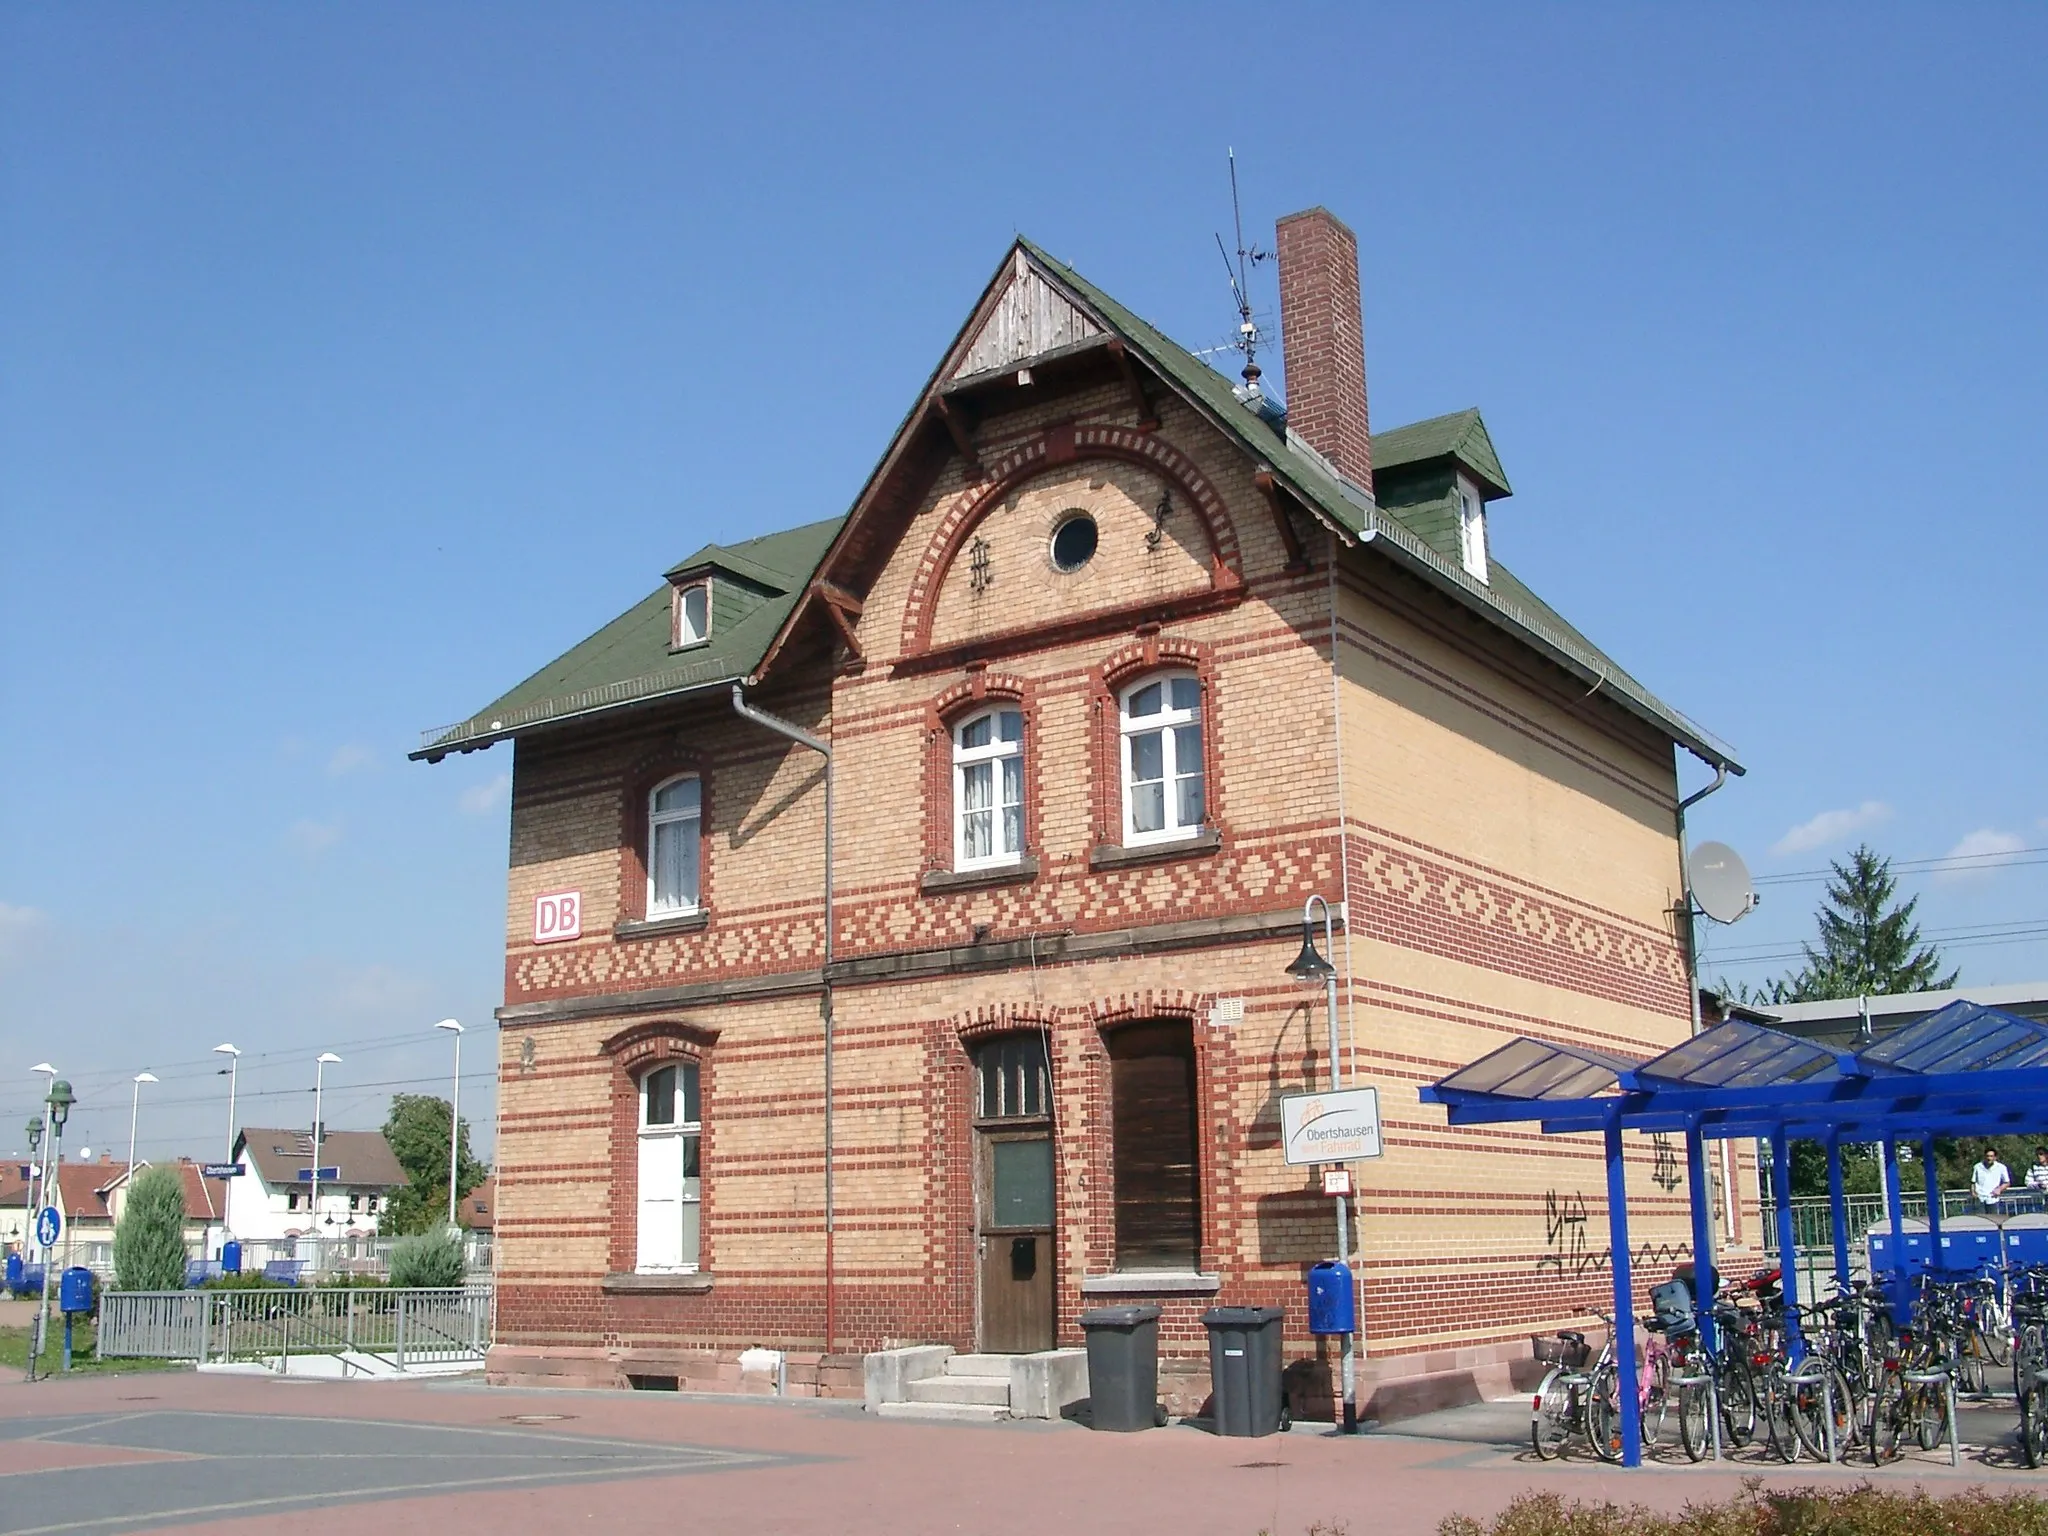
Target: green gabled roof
x,y
777,561
1506,604
1460,437
630,661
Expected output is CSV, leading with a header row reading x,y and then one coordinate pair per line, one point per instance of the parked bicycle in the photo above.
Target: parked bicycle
x,y
1576,1398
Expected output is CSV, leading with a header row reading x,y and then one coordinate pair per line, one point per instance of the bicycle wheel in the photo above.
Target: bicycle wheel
x,y
1809,1399
1930,1415
1550,1419
1887,1418
1775,1408
1695,1431
1603,1413
1994,1327
1739,1401
2034,1425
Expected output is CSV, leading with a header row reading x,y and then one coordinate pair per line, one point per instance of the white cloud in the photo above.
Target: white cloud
x,y
482,799
313,837
1832,827
350,757
1979,853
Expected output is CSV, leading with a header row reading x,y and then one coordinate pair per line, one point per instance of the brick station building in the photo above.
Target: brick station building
x,y
1118,663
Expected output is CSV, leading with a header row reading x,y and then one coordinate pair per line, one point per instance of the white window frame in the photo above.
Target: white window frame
x,y
685,635
674,1142
1166,723
996,758
656,820
1472,529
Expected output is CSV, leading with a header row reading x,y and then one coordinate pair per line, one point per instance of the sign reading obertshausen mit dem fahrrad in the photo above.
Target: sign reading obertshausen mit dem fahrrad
x,y
1336,1126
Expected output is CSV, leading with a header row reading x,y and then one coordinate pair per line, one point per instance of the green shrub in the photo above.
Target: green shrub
x,y
149,1243
247,1280
1862,1510
428,1260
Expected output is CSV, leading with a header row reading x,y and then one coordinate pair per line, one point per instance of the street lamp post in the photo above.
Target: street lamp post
x,y
35,1180
234,1062
320,1065
60,1103
1309,966
454,1113
134,1111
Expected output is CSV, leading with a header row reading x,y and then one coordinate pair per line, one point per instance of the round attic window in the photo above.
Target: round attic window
x,y
1073,542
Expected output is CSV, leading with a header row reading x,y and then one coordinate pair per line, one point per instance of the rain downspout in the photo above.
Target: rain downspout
x,y
803,738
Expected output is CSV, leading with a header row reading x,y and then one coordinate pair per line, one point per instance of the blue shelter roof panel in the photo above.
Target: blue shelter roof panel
x,y
1540,1069
1963,1037
1738,1054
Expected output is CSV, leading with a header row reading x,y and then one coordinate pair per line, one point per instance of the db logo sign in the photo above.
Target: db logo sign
x,y
557,915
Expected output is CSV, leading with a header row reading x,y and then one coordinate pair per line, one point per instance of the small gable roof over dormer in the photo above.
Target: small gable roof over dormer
x,y
1458,440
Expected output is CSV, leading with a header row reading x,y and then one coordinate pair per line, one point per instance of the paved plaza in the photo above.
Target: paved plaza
x,y
153,1451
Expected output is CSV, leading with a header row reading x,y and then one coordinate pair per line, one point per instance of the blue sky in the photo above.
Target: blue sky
x,y
355,361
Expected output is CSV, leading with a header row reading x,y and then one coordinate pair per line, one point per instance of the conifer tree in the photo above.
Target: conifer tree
x,y
1868,945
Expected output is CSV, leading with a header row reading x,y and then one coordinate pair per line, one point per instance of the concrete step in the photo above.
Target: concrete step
x,y
978,1365
990,1391
958,1413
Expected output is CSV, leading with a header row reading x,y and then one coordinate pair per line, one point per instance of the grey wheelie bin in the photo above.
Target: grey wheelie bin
x,y
1123,1367
1244,1369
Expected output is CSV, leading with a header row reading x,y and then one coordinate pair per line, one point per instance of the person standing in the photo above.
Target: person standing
x,y
1990,1179
2037,1176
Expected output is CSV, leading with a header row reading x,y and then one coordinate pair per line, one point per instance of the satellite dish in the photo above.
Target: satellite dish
x,y
1720,882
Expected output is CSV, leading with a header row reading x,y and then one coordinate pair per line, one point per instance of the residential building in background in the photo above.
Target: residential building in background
x,y
1118,663
271,1202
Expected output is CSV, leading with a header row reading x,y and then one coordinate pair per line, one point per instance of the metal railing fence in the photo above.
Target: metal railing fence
x,y
395,1328
1812,1226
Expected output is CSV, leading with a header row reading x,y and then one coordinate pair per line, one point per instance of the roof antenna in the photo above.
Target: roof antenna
x,y
1248,257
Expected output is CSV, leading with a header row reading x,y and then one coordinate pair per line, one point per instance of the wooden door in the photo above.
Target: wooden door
x,y
1014,1235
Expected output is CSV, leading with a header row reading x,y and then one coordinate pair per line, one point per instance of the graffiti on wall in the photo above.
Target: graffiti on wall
x,y
1665,1172
1565,1249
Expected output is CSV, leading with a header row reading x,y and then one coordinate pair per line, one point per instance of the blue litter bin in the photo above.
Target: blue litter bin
x,y
17,1282
74,1290
231,1257
1332,1299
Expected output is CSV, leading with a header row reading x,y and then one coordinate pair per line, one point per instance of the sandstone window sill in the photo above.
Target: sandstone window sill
x,y
659,927
658,1285
1152,1282
1201,845
938,882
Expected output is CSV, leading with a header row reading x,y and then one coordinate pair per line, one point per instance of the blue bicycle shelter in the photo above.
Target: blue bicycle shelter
x,y
1966,1070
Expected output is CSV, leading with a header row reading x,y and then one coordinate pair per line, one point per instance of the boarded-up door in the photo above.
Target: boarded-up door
x,y
1152,1089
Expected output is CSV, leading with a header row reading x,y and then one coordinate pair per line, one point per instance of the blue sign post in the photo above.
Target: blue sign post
x,y
324,1175
49,1227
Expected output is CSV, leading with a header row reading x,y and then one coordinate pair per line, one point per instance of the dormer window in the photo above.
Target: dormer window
x,y
1472,530
693,614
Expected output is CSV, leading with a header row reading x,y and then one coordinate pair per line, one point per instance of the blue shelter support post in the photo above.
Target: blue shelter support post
x,y
1788,1247
1895,1209
1933,1179
1624,1296
1838,1211
1702,1195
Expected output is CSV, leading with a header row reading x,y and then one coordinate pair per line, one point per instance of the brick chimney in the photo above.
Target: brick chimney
x,y
1322,339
